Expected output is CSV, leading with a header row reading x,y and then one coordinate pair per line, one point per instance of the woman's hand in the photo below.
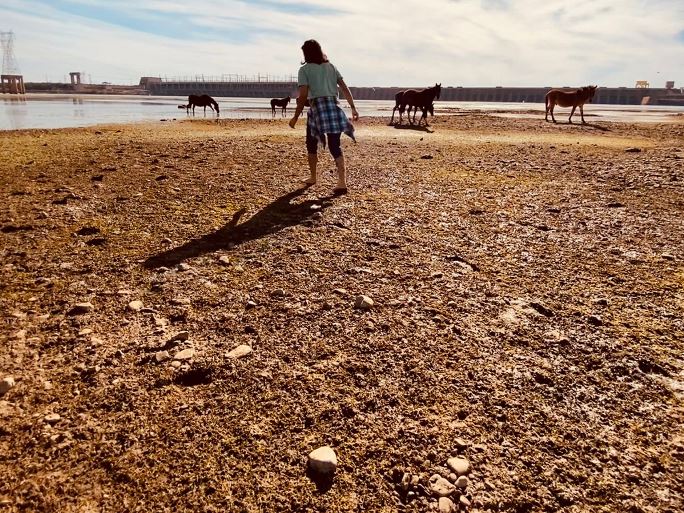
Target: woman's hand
x,y
293,121
355,114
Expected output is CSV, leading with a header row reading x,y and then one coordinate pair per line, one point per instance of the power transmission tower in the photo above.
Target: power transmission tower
x,y
9,61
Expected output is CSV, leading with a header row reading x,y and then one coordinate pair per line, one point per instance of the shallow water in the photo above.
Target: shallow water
x,y
60,111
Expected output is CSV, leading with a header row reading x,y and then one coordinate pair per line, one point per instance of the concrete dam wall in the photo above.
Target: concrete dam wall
x,y
604,95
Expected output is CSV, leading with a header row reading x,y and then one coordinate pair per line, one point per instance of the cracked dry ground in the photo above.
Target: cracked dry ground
x,y
529,295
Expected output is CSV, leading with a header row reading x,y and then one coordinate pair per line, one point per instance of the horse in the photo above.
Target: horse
x,y
422,99
572,99
282,103
201,101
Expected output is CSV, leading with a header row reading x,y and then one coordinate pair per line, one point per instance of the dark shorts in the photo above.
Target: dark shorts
x,y
333,144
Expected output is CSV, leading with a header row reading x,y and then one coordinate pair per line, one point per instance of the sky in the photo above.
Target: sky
x,y
407,43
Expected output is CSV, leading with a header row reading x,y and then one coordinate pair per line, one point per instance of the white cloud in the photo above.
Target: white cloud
x,y
403,42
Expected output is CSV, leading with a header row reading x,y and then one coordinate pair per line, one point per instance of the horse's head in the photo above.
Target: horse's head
x,y
438,90
289,98
591,91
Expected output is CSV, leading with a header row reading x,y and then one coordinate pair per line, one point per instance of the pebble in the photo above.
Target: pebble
x,y
175,364
185,354
6,385
465,503
446,505
363,302
183,267
181,336
460,466
81,309
240,351
52,418
462,482
323,460
440,487
278,293
595,320
136,306
180,301
84,332
460,443
224,260
250,304
162,356
317,215
633,150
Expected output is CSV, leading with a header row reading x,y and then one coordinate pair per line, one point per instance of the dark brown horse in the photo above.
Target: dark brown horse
x,y
411,98
282,103
201,101
574,99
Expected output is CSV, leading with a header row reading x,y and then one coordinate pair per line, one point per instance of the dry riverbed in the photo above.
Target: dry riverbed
x,y
180,322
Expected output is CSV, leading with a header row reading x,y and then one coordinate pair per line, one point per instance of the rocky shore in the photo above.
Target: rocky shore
x,y
491,320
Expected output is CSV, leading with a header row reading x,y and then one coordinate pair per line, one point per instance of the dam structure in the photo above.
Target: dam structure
x,y
269,87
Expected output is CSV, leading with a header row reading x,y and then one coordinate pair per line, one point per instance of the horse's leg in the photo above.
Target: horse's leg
x,y
582,113
392,118
551,107
546,105
571,113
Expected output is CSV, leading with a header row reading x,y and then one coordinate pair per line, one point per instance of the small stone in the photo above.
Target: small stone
x,y
446,505
52,418
185,354
601,302
175,364
238,269
453,477
632,150
278,293
460,466
341,292
250,304
464,501
224,260
317,215
81,309
180,301
84,332
181,336
462,482
595,320
136,306
440,487
667,256
461,444
6,385
323,460
183,267
162,356
240,351
363,302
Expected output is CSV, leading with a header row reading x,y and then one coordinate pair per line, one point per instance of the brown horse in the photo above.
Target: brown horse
x,y
282,103
572,99
203,100
411,98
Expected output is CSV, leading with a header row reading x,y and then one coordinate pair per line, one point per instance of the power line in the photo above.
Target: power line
x,y
9,61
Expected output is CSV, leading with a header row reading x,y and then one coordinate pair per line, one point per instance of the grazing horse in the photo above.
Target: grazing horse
x,y
572,99
282,103
201,101
422,99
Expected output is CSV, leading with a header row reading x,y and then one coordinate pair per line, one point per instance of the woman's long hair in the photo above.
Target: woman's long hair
x,y
313,53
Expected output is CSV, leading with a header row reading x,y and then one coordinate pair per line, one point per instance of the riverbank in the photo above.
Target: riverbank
x,y
528,292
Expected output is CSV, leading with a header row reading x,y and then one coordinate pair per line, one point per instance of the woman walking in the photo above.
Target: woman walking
x,y
318,80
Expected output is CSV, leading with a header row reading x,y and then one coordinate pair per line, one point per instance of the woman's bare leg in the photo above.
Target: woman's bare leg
x,y
313,160
341,173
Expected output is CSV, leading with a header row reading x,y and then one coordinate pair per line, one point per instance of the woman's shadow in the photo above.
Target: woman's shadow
x,y
272,218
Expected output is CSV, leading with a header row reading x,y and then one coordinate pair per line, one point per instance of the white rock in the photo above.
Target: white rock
x,y
278,293
462,482
363,302
185,354
240,351
250,304
460,466
465,503
440,487
6,385
323,460
136,306
84,332
183,267
162,356
224,260
446,505
175,364
52,418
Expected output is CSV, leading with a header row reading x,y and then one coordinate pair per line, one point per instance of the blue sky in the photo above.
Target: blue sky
x,y
373,42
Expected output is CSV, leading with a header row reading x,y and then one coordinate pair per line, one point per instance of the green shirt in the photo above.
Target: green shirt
x,y
321,79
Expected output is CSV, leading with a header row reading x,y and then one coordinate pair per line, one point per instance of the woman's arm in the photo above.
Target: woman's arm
x,y
348,96
301,101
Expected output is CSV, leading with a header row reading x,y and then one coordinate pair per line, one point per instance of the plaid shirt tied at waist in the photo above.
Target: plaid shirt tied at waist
x,y
325,116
